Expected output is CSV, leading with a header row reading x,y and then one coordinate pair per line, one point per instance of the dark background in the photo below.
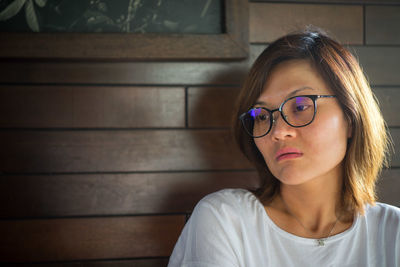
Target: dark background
x,y
143,16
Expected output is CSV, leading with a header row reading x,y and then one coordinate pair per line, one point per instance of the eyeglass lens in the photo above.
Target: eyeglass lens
x,y
297,112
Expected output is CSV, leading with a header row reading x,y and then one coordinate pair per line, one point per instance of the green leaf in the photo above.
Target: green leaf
x,y
41,3
30,15
11,10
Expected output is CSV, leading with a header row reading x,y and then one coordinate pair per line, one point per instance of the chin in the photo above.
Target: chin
x,y
290,179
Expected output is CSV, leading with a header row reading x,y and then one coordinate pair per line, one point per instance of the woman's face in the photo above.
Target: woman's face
x,y
298,155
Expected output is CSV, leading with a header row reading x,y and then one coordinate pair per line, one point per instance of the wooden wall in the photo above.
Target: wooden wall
x,y
102,162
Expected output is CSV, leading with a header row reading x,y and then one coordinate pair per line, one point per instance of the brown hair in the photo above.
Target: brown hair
x,y
368,145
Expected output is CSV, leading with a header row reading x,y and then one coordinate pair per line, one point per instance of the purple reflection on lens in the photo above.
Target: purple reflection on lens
x,y
300,100
255,112
301,103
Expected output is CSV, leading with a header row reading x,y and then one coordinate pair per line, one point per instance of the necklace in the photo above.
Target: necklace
x,y
320,241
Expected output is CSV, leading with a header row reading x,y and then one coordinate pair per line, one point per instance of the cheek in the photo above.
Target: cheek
x,y
329,133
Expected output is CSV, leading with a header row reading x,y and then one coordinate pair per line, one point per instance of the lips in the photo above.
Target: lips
x,y
288,153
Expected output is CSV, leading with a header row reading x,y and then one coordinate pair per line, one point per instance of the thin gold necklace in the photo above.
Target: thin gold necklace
x,y
320,241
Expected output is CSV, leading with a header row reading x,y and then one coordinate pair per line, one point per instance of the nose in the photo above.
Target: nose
x,y
280,129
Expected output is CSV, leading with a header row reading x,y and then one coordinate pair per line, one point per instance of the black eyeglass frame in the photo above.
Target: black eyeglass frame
x,y
271,113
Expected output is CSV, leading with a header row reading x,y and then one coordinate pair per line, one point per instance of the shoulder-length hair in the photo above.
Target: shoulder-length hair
x,y
367,148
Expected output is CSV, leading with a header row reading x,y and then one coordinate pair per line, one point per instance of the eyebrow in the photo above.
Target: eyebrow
x,y
293,93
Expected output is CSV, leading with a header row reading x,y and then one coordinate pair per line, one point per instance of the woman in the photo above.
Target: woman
x,y
309,122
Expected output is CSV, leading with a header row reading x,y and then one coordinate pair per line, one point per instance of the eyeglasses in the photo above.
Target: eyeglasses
x,y
297,111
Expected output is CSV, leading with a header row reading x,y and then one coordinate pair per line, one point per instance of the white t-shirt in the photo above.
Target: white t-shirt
x,y
231,228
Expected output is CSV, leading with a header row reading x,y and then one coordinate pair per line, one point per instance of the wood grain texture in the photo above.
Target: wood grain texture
x,y
122,73
237,24
153,73
211,106
89,238
159,262
118,151
382,25
389,101
112,194
389,186
269,21
381,64
91,106
121,46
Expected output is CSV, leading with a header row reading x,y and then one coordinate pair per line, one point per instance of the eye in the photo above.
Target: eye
x,y
300,104
261,117
255,112
301,107
258,115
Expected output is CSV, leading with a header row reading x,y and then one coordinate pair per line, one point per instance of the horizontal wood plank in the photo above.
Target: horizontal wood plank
x,y
112,194
269,21
154,73
389,102
123,73
159,262
89,238
380,64
91,107
123,46
389,187
211,106
382,25
42,151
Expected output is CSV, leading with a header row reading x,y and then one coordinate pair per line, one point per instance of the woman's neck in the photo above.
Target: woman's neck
x,y
312,209
316,210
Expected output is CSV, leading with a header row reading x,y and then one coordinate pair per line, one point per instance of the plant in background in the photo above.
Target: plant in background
x,y
31,19
138,16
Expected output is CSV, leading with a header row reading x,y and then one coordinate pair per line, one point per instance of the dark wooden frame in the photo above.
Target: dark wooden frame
x,y
135,47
